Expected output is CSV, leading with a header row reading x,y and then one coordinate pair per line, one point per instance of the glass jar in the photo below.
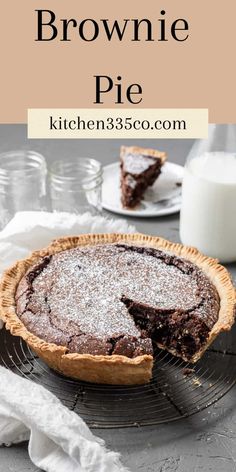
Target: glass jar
x,y
207,219
22,183
76,185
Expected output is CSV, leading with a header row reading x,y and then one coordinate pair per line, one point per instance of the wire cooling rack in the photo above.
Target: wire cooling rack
x,y
177,389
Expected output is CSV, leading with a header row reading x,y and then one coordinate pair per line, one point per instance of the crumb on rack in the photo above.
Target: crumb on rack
x,y
187,371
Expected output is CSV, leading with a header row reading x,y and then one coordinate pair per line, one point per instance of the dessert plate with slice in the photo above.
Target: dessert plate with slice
x,y
162,198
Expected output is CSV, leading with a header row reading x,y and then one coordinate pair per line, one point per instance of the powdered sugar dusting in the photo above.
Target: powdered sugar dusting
x,y
137,163
130,181
85,286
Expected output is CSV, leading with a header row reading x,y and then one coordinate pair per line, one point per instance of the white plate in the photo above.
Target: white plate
x,y
163,198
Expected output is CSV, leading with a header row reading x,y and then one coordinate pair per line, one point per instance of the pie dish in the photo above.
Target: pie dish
x,y
140,167
93,306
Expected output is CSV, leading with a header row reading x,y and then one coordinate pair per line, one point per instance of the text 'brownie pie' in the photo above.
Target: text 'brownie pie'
x,y
92,307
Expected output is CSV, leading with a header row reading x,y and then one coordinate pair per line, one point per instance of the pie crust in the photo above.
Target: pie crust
x,y
113,369
161,155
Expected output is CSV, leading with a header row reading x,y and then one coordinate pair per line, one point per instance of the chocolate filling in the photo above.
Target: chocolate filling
x,y
118,299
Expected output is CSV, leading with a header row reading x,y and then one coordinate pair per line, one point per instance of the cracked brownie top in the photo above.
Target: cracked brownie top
x,y
118,299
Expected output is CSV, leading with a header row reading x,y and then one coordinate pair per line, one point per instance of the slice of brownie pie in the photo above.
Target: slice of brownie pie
x,y
140,167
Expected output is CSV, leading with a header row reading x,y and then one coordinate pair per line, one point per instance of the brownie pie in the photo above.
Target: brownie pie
x,y
140,168
93,307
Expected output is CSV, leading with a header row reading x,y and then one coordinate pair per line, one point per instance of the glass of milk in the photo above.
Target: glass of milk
x,y
208,213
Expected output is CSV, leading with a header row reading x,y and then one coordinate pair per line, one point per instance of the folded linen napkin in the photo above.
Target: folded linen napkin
x,y
59,440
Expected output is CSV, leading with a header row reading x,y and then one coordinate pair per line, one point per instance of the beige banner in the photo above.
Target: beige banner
x,y
196,73
117,123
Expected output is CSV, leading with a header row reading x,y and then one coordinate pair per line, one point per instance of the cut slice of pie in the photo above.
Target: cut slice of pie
x,y
140,168
93,306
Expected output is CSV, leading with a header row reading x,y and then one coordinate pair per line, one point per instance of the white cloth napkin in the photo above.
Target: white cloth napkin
x,y
59,440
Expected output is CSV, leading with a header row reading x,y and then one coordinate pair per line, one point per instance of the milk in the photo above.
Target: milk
x,y
208,213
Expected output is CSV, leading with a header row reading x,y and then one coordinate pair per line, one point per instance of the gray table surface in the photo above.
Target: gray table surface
x,y
203,442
